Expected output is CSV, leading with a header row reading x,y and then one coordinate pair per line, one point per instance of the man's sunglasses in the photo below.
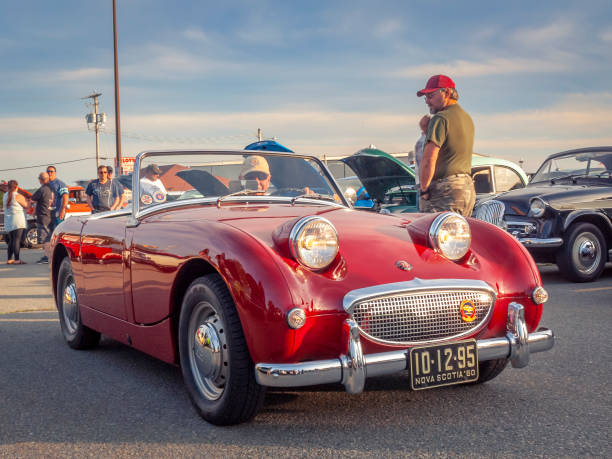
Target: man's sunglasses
x,y
50,171
431,94
256,176
102,172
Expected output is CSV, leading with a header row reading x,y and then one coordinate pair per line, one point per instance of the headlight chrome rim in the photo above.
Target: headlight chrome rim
x,y
434,236
539,295
294,243
539,209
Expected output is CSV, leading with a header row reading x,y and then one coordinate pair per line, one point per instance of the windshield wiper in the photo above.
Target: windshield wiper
x,y
323,197
239,193
569,176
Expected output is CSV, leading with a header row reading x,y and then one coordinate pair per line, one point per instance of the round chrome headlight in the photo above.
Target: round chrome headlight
x,y
537,208
450,235
314,242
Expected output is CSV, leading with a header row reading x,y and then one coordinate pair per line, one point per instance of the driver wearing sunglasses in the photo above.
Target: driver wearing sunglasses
x,y
256,168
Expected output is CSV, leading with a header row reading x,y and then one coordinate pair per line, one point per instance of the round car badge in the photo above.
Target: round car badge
x,y
403,265
468,311
146,199
159,196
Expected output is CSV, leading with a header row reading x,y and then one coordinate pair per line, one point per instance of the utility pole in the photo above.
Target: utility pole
x,y
259,136
97,119
117,119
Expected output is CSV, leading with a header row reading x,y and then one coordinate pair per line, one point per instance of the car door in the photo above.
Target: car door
x,y
102,249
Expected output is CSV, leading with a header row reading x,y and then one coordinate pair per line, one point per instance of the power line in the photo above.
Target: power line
x,y
52,162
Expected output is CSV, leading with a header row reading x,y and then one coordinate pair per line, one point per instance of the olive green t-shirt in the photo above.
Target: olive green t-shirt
x,y
452,130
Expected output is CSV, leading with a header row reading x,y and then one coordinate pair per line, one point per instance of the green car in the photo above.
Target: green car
x,y
375,180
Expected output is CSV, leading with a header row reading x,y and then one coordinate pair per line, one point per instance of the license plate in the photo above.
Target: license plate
x,y
443,364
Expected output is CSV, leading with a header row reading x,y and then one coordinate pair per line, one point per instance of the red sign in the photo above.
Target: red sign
x,y
127,165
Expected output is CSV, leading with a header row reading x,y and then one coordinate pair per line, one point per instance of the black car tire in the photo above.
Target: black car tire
x,y
489,369
30,238
77,335
583,255
215,361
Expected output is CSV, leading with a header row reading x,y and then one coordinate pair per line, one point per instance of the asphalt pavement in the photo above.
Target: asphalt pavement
x,y
24,287
113,401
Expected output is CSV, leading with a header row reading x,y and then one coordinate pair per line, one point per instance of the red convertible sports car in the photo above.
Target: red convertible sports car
x,y
250,270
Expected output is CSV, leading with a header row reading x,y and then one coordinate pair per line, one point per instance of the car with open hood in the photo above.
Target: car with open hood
x,y
564,215
255,276
389,182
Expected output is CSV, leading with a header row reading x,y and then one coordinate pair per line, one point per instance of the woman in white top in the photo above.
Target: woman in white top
x,y
14,221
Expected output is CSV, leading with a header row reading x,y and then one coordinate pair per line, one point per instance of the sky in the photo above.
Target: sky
x,y
322,77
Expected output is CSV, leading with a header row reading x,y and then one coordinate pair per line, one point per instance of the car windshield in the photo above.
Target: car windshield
x,y
590,165
226,176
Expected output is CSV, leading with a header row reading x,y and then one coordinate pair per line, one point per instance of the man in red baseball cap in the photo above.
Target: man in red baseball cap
x,y
445,180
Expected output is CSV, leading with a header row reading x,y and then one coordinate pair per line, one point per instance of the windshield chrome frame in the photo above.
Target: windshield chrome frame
x,y
138,213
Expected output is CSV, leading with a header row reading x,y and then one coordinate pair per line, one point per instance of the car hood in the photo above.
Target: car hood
x,y
560,197
379,171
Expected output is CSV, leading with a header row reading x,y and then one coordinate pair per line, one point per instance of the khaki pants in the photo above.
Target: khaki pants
x,y
455,193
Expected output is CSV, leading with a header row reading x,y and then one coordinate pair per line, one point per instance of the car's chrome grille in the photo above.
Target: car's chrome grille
x,y
491,211
421,316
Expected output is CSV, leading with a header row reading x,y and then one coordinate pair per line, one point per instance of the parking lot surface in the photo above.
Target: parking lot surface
x,y
114,401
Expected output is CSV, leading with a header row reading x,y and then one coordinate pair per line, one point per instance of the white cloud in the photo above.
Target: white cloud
x,y
387,28
195,34
494,66
40,124
166,62
88,73
606,35
553,34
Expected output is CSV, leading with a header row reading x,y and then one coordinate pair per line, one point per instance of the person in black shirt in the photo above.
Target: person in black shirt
x,y
43,197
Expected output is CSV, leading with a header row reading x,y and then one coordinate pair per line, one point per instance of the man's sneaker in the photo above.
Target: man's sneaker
x,y
43,261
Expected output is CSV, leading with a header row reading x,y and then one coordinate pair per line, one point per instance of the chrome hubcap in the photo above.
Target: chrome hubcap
x,y
32,237
207,351
70,307
208,355
586,253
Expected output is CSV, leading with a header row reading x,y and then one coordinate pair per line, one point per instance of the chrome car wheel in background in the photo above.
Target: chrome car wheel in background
x,y
583,255
586,253
77,335
32,236
208,350
70,307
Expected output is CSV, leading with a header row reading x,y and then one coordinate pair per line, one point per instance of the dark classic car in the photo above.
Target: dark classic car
x,y
564,215
256,276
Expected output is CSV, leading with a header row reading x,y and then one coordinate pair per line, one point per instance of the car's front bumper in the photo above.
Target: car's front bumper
x,y
541,243
352,369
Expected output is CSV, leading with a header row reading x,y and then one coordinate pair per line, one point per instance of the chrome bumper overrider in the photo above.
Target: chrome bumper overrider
x,y
353,369
544,243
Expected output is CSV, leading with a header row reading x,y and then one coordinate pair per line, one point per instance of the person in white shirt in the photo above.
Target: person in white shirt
x,y
152,189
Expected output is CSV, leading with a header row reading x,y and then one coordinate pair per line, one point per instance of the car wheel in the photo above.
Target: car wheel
x,y
215,361
77,335
31,237
489,369
583,255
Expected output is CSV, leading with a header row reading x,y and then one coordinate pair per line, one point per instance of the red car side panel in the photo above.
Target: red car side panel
x,y
156,340
103,286
252,278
